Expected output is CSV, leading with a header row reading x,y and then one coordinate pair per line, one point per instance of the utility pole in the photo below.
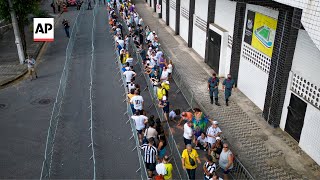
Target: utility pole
x,y
16,33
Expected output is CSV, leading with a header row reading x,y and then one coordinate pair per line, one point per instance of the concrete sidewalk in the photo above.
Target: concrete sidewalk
x,y
10,69
266,152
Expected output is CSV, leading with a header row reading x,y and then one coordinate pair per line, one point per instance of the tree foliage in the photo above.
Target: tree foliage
x,y
22,8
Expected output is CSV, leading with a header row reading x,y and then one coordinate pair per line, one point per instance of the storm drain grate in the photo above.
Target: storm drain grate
x,y
2,106
44,101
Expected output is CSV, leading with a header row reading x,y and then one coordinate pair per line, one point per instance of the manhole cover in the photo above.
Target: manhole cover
x,y
44,101
2,106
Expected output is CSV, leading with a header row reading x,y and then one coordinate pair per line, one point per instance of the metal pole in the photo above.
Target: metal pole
x,y
16,33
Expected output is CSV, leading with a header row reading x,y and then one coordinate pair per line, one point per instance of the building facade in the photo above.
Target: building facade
x,y
272,49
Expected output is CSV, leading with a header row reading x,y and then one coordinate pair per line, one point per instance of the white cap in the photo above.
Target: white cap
x,y
218,138
167,82
153,32
215,122
164,98
150,48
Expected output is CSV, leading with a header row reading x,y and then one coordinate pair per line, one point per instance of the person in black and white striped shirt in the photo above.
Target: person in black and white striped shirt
x,y
150,156
209,167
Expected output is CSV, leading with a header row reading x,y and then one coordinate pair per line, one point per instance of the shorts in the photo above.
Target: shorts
x,y
225,172
187,141
151,166
139,131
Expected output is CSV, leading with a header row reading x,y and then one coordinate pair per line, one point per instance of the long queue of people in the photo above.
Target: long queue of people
x,y
151,135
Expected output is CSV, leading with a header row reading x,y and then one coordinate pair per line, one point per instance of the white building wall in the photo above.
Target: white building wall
x,y
163,7
310,16
254,65
224,18
199,35
184,19
306,65
172,11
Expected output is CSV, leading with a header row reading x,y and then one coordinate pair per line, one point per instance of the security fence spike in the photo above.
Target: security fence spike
x,y
138,169
131,137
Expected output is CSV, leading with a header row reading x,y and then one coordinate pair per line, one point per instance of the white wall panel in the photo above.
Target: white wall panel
x,y
184,19
172,11
199,35
309,140
252,82
163,6
225,15
306,60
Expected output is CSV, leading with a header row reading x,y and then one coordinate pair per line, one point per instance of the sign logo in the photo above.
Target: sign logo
x,y
260,32
43,29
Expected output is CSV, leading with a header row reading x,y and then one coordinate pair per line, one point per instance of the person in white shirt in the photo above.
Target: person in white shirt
x,y
121,42
202,142
31,67
170,68
151,132
140,121
151,36
137,101
187,133
130,60
129,75
164,74
131,86
213,132
161,169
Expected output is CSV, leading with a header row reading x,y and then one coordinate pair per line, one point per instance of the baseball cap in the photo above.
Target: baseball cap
x,y
215,122
167,82
150,48
153,32
218,138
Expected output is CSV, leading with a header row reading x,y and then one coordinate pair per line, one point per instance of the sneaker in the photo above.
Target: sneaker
x,y
197,147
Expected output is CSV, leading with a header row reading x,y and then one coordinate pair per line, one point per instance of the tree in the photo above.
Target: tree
x,y
22,8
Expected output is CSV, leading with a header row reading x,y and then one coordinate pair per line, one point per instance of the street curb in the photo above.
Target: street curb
x,y
36,54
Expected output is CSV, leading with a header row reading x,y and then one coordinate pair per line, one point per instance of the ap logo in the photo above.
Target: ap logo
x,y
43,29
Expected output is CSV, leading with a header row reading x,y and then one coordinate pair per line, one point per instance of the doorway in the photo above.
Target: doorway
x,y
295,117
214,47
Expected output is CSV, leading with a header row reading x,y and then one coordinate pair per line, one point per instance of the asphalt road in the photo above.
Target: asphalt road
x,y
111,134
24,121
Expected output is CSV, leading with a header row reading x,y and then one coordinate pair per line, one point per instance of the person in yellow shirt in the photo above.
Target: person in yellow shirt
x,y
189,157
168,166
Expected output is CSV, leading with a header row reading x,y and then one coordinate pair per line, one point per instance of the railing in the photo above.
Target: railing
x,y
55,114
129,113
175,153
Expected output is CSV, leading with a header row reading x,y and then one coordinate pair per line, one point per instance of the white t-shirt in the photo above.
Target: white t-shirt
x,y
161,169
187,131
131,86
172,114
170,68
212,131
139,121
164,75
129,75
137,102
152,62
202,141
151,132
129,60
121,42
